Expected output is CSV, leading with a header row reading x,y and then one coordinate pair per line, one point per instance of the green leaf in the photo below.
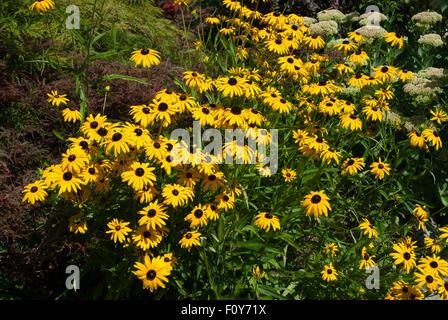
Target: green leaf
x,y
251,244
103,55
59,135
124,77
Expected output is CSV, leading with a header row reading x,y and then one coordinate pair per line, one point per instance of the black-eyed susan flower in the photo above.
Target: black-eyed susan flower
x,y
204,115
428,280
198,216
438,115
71,115
118,230
379,169
56,99
403,255
346,46
443,290
395,39
212,211
146,239
92,173
421,214
416,139
433,137
212,20
233,86
153,215
331,249
343,68
351,121
92,124
153,272
139,175
176,195
35,192
405,75
225,200
77,224
289,175
385,93
356,36
300,136
366,259
329,273
433,244
359,58
314,42
189,239
369,229
352,166
359,81
316,203
66,180
163,111
266,220
330,155
373,113
277,45
42,5
146,57
118,141
385,73
444,233
434,265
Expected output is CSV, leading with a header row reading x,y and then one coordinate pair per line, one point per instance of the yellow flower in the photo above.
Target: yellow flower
x,y
257,273
57,99
379,169
368,228
266,220
42,5
147,57
316,204
329,273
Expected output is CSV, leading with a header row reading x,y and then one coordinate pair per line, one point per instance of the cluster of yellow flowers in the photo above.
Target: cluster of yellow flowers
x,y
284,84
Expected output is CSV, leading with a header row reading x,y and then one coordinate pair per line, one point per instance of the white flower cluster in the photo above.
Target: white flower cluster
x,y
425,85
331,15
324,28
372,32
426,18
431,39
309,21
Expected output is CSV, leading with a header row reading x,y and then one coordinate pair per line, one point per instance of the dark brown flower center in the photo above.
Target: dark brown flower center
x,y
151,275
232,81
198,213
139,172
67,176
163,107
117,136
71,158
316,198
33,189
94,125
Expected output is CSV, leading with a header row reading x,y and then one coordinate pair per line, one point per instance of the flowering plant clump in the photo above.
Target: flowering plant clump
x,y
185,220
